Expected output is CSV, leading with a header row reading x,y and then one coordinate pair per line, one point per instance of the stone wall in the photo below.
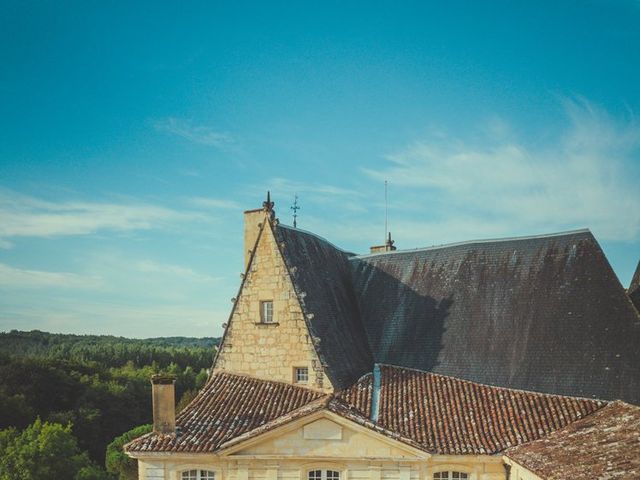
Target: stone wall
x,y
269,351
476,467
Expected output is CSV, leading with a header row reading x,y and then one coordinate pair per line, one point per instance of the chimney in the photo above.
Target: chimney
x,y
387,247
253,219
164,403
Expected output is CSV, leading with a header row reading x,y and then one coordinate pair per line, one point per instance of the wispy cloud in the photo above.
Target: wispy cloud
x,y
201,134
27,216
214,203
176,271
500,185
286,186
24,278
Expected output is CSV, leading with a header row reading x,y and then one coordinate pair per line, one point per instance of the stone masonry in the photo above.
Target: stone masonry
x,y
269,351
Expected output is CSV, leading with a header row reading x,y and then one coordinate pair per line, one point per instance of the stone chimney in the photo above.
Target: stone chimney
x,y
387,247
253,220
164,403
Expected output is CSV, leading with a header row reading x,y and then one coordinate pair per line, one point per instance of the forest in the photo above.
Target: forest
x,y
64,399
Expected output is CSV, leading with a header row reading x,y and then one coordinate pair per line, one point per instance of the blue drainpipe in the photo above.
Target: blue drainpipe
x,y
375,395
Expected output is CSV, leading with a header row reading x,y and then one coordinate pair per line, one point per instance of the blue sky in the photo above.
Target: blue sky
x,y
133,135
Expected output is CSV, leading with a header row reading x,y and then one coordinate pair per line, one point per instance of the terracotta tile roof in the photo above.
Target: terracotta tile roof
x,y
606,445
431,412
228,406
447,415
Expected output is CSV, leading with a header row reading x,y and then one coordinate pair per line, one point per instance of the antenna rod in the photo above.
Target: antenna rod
x,y
386,211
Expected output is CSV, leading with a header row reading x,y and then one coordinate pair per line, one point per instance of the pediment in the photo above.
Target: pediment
x,y
325,435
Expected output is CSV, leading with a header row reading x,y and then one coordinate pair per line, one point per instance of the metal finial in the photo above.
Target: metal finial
x,y
268,205
295,207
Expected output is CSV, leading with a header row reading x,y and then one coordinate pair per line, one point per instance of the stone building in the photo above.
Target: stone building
x,y
511,359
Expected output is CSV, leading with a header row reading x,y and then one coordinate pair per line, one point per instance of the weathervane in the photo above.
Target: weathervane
x,y
295,207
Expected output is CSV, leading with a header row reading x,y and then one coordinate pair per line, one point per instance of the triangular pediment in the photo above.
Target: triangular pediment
x,y
324,435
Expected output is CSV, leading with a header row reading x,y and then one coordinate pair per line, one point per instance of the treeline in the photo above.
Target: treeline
x,y
110,351
98,385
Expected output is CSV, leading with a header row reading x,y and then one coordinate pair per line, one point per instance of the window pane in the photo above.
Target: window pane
x,y
315,475
190,475
333,475
266,311
207,475
302,374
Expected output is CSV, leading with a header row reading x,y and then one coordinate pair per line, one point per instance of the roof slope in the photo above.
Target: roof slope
x,y
634,288
606,443
431,412
228,406
321,277
446,415
541,313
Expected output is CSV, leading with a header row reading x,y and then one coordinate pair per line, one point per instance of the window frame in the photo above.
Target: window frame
x,y
177,470
323,473
296,379
450,471
198,470
265,318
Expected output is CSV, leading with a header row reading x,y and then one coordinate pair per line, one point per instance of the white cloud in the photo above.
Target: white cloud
x,y
23,278
26,216
501,186
215,203
194,133
285,186
176,271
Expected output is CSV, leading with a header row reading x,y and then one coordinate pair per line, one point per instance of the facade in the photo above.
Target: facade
x,y
484,360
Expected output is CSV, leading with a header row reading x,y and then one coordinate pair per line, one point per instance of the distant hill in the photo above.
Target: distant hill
x,y
107,349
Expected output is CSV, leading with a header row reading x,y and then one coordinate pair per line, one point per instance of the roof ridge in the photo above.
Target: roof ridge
x,y
315,235
263,380
464,380
477,241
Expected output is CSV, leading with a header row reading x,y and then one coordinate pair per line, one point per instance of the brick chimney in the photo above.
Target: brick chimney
x,y
253,220
387,247
164,403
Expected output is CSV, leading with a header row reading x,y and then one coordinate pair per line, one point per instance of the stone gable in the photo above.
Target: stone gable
x,y
269,351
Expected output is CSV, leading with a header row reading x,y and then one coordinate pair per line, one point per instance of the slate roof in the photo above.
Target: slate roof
x,y
322,279
431,412
544,313
604,445
634,288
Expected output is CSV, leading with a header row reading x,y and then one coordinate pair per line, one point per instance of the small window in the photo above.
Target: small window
x,y
266,311
450,476
301,375
198,475
323,475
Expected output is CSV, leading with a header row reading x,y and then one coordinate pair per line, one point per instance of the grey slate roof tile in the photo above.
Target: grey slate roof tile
x,y
543,313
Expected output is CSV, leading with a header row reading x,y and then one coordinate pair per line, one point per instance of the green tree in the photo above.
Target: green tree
x,y
43,450
117,462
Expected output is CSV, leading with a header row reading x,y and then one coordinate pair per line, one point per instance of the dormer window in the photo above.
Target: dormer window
x,y
266,311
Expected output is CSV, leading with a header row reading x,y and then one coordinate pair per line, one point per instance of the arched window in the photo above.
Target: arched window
x,y
198,475
450,476
323,475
